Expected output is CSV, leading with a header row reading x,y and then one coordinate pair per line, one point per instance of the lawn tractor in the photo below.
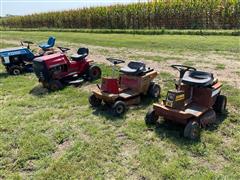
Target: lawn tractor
x,y
19,59
119,92
56,70
193,104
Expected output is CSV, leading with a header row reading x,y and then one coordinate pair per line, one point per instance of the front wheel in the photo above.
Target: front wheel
x,y
154,90
119,108
192,130
55,85
220,104
94,101
94,73
15,70
151,117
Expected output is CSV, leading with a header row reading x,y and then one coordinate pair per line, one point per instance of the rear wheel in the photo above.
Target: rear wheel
x,y
119,108
94,73
220,104
94,101
154,90
151,117
55,85
192,130
15,70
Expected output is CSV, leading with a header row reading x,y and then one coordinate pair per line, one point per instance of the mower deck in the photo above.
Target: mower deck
x,y
181,116
127,95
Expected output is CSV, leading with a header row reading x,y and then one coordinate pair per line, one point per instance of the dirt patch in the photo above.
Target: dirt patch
x,y
61,149
201,60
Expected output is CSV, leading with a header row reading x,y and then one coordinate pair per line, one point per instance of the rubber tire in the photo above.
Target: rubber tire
x,y
192,130
94,101
15,70
55,85
119,108
151,118
154,90
94,72
220,104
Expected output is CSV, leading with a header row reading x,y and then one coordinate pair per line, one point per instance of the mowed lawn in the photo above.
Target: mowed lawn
x,y
59,136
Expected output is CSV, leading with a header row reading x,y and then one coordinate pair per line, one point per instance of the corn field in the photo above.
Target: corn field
x,y
170,14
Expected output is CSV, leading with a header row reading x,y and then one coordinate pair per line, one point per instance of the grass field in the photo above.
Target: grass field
x,y
58,136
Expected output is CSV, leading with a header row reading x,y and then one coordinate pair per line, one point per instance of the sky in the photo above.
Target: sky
x,y
24,7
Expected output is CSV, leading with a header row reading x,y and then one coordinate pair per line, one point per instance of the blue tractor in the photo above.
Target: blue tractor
x,y
19,59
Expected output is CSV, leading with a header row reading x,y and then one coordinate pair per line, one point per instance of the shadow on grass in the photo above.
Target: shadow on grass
x,y
4,75
220,119
39,91
105,111
175,132
146,101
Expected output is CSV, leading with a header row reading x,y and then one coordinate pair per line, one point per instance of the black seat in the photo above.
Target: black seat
x,y
81,54
134,68
198,78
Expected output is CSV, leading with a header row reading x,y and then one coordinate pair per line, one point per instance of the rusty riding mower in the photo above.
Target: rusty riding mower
x,y
119,92
194,103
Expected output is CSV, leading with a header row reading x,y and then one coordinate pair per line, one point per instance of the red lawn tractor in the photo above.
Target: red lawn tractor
x,y
119,92
56,70
193,103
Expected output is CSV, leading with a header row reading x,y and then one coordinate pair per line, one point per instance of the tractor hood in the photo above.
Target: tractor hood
x,y
52,60
14,51
43,65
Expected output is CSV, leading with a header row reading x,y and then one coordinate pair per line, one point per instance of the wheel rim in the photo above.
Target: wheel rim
x,y
95,72
156,92
194,132
119,109
16,71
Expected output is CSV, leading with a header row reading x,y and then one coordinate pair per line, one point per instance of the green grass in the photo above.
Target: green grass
x,y
5,45
58,136
150,43
204,32
154,58
220,66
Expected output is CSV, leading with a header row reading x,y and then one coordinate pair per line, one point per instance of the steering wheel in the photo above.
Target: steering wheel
x,y
115,61
182,69
27,42
63,49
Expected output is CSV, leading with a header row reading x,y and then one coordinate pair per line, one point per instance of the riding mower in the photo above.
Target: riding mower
x,y
57,70
18,60
119,92
193,104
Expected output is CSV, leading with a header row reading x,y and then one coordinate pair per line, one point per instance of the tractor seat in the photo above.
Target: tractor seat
x,y
81,54
49,44
134,68
198,78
